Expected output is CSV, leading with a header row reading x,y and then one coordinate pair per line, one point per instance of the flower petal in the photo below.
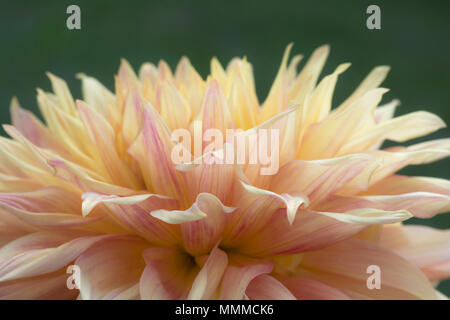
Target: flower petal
x,y
208,279
110,268
310,289
238,275
42,252
168,275
344,266
426,247
265,287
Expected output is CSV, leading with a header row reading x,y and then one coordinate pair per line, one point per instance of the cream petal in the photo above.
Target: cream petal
x,y
276,100
307,78
372,81
325,139
399,129
33,129
102,134
193,213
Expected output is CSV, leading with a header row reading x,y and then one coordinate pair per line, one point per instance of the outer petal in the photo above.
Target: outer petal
x,y
265,287
309,231
41,252
111,269
422,196
344,266
309,289
51,286
240,272
135,213
208,279
169,274
426,247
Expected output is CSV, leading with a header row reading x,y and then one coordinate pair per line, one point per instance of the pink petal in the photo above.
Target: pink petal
x,y
344,266
169,274
238,275
426,247
309,289
208,279
42,252
135,213
51,286
111,268
265,287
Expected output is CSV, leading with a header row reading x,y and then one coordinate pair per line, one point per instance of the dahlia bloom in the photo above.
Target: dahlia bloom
x,y
96,187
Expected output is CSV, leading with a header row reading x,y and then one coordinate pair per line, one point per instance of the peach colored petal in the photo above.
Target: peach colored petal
x,y
151,150
41,252
310,231
399,129
238,275
201,235
292,202
307,78
103,136
208,279
309,289
135,213
319,178
344,266
168,274
426,247
265,287
370,82
324,139
33,129
111,269
51,286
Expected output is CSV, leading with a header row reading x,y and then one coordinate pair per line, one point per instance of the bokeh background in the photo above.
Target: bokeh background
x,y
413,40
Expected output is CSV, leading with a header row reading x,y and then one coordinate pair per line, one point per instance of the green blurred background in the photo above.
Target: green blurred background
x,y
414,40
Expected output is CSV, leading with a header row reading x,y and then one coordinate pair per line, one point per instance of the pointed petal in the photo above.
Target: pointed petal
x,y
152,149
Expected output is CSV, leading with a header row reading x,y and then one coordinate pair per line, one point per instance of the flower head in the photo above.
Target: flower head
x,y
97,188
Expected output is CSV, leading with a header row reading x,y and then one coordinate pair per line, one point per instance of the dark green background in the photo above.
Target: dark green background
x,y
414,40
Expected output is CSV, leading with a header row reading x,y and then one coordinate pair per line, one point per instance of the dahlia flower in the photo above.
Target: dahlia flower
x,y
96,188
